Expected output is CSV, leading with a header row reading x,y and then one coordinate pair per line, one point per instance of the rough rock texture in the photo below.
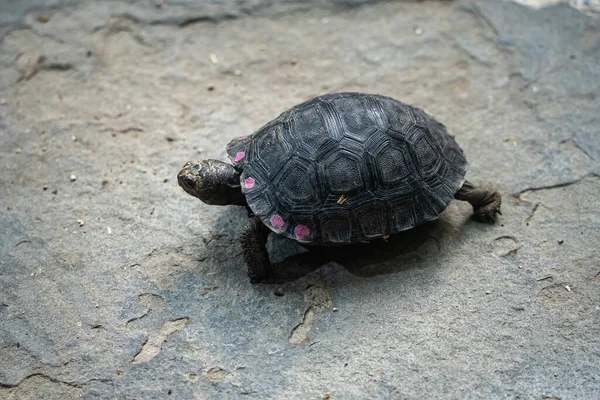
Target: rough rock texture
x,y
116,284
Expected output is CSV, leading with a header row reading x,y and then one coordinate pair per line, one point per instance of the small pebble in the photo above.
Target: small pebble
x,y
44,148
2,101
43,18
568,288
80,222
159,3
262,47
213,58
45,187
128,107
335,309
73,178
487,292
237,72
278,293
166,180
17,150
294,61
418,31
210,88
74,138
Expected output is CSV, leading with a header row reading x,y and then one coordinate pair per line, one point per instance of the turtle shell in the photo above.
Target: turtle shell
x,y
348,167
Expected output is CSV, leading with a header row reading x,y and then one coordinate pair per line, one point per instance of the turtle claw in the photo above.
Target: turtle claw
x,y
487,213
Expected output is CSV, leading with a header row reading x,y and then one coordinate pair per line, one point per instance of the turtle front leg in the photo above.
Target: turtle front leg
x,y
486,203
254,240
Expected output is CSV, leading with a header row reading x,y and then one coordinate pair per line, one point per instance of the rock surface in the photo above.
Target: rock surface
x,y
116,284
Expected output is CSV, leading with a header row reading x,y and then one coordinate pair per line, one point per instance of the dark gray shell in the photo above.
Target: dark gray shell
x,y
348,167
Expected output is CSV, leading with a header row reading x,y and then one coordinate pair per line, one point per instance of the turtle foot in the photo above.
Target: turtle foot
x,y
486,203
488,212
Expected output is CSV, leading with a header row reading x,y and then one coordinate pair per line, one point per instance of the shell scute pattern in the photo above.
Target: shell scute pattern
x,y
371,220
355,118
297,186
392,165
270,147
308,126
336,226
344,173
237,151
348,167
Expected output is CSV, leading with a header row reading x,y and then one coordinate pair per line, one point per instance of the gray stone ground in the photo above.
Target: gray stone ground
x,y
116,284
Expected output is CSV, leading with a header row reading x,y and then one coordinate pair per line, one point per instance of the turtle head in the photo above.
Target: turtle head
x,y
212,181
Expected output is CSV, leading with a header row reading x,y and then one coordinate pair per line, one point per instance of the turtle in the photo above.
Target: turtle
x,y
338,169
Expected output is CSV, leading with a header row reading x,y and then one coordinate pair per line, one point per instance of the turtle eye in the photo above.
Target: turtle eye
x,y
195,166
189,182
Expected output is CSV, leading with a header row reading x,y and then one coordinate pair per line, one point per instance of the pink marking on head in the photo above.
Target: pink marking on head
x,y
276,221
301,231
249,182
239,156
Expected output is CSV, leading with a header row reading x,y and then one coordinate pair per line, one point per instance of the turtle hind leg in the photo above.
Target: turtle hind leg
x,y
254,240
486,203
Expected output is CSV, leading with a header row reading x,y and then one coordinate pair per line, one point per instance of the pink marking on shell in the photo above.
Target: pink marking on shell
x,y
239,156
276,221
301,231
249,182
